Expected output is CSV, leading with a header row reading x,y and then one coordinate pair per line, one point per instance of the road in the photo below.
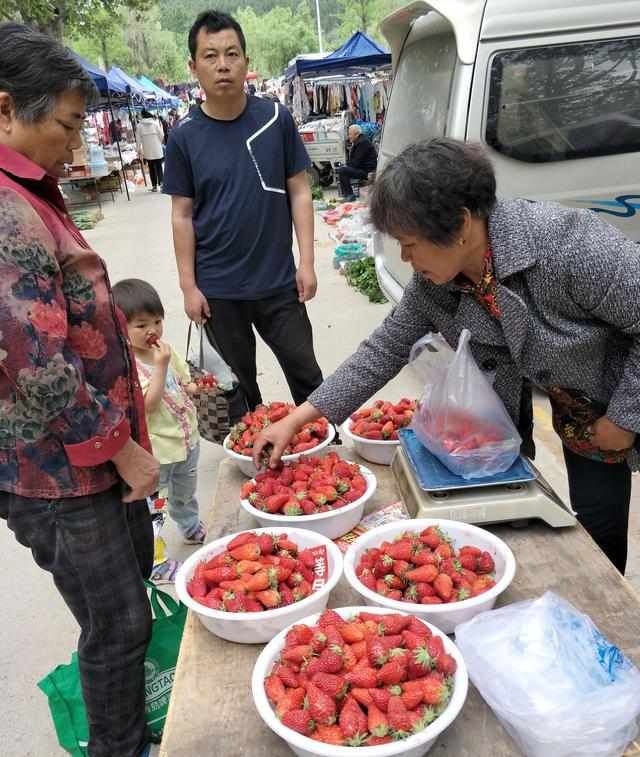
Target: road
x,y
38,632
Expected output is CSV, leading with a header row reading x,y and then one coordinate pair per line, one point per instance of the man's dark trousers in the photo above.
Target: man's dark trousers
x,y
345,175
282,322
98,549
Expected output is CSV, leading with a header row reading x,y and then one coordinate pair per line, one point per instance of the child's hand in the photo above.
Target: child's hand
x,y
191,388
161,354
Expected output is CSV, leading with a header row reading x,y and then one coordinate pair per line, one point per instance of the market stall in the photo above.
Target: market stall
x,y
212,706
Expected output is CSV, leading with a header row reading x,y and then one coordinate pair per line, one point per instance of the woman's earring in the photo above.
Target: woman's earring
x,y
462,242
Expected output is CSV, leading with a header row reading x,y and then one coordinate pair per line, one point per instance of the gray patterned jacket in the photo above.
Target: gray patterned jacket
x,y
569,293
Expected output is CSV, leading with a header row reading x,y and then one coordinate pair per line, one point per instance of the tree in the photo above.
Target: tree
x,y
60,17
274,38
364,16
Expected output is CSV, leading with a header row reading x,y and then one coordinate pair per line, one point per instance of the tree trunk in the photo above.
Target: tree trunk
x,y
55,26
105,52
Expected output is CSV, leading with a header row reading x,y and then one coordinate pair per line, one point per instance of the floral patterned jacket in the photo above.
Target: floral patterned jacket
x,y
69,393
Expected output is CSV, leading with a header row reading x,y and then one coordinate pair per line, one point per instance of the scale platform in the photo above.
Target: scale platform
x,y
429,490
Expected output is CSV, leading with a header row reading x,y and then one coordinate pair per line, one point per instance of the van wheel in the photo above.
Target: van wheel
x,y
314,176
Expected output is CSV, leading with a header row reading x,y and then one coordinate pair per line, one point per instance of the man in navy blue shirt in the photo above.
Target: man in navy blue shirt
x,y
236,170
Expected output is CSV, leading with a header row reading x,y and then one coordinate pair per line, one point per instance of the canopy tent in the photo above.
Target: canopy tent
x,y
163,97
132,86
105,83
358,54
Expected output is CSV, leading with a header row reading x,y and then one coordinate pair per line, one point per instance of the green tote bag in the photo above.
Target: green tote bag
x,y
62,685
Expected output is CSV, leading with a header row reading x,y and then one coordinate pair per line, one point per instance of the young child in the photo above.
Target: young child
x,y
171,415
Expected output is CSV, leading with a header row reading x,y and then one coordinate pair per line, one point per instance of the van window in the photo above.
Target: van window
x,y
419,102
566,101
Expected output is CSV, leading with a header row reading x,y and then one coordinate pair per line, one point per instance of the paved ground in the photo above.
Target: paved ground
x,y
135,240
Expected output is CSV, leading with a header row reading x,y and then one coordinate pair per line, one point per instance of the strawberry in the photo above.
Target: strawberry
x,y
443,586
435,692
300,721
218,575
333,685
286,675
418,628
380,698
350,660
330,618
420,663
318,641
301,591
430,600
425,557
485,563
435,646
412,640
275,503
369,580
362,696
423,574
412,698
269,598
364,678
393,624
298,634
398,715
297,654
351,632
359,649
307,558
258,582
322,707
446,664
292,700
394,671
401,550
400,567
244,538
249,551
468,561
329,734
379,740
393,582
377,652
431,536
274,688
444,550
377,721
331,660
286,595
353,721
481,584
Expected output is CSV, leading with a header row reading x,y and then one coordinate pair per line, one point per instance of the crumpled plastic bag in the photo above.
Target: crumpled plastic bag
x,y
460,418
557,685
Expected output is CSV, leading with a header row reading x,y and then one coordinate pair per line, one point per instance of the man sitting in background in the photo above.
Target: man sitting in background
x,y
362,160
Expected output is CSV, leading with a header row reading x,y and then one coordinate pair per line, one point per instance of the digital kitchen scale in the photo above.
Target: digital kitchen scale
x,y
429,489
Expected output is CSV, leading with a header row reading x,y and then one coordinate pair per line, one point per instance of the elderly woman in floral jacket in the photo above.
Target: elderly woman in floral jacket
x,y
75,462
551,297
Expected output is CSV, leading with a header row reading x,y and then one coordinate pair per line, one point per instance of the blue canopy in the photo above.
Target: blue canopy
x,y
103,81
163,97
132,86
358,54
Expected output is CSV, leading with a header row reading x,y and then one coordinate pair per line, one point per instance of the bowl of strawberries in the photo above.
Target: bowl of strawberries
x,y
441,570
247,587
373,430
311,439
351,682
323,494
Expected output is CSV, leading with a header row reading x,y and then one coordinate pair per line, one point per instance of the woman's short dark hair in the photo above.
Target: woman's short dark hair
x,y
425,190
214,21
135,297
35,70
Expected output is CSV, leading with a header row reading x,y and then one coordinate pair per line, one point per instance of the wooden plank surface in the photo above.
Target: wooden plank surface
x,y
212,712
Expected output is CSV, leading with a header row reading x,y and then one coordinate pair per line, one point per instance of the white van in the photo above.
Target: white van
x,y
550,87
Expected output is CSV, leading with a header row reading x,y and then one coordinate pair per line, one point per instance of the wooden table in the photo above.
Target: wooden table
x,y
212,711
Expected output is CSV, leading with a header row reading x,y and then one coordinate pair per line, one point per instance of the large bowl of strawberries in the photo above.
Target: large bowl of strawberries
x,y
350,683
373,430
441,570
247,587
311,439
323,494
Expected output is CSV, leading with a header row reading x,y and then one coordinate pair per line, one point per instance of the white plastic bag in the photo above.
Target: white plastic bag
x,y
460,419
552,679
210,360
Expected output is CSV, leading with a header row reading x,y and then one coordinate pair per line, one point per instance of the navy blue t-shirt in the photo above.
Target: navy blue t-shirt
x,y
236,172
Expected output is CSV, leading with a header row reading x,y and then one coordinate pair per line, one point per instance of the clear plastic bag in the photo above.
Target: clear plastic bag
x,y
552,679
460,419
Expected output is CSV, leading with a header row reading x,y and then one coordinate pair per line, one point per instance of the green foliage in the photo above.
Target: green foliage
x,y
361,275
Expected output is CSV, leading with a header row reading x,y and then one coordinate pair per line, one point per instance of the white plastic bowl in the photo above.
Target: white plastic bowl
x,y
258,627
379,451
249,469
414,746
446,616
331,524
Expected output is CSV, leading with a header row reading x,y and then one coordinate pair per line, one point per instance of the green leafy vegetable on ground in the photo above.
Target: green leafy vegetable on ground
x,y
361,274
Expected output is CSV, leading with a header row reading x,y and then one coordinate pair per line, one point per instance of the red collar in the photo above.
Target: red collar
x,y
20,166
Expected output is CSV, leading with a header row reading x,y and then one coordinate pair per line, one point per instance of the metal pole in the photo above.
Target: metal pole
x,y
124,175
319,26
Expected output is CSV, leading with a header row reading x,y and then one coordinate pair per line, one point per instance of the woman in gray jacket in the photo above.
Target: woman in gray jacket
x,y
551,297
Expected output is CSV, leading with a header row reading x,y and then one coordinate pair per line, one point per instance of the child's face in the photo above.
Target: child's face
x,y
141,327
